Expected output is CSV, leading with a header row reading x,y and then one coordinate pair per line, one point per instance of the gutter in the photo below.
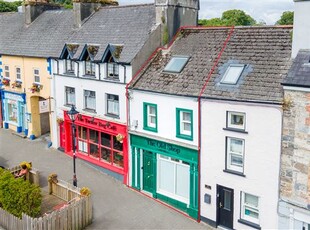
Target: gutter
x,y
199,111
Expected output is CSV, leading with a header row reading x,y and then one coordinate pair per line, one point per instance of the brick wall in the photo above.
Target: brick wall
x,y
295,158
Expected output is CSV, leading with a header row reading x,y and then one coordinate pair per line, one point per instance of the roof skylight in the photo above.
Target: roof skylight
x,y
176,64
232,74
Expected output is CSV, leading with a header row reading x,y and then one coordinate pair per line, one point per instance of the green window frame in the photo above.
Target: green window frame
x,y
181,123
147,117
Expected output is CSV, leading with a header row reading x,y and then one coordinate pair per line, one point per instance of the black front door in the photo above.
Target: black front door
x,y
225,206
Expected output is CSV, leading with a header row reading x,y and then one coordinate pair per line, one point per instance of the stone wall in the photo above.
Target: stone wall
x,y
295,158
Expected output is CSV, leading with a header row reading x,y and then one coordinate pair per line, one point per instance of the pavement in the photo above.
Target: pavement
x,y
115,206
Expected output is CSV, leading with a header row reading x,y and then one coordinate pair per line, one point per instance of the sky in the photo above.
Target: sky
x,y
268,11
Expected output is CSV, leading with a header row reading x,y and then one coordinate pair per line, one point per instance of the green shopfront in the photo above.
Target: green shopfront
x,y
166,171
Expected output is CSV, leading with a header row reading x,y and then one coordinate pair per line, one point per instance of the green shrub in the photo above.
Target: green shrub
x,y
18,196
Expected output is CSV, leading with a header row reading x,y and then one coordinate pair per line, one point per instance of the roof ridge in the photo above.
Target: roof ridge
x,y
126,6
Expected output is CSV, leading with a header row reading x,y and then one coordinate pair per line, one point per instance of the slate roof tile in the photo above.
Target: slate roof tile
x,y
47,34
265,50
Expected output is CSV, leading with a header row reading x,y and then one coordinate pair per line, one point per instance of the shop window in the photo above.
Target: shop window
x,y
70,66
36,74
12,111
235,154
6,71
90,100
101,146
113,70
150,117
112,105
184,124
18,74
173,178
70,95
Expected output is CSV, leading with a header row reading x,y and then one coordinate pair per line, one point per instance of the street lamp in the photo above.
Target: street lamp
x,y
73,114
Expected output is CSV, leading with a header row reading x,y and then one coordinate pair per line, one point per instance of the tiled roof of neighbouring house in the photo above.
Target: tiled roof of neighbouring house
x,y
299,74
264,50
46,36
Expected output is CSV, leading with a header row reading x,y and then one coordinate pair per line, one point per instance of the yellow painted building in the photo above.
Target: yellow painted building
x,y
26,95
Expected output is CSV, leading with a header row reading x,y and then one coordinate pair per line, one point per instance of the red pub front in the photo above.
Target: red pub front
x,y
100,142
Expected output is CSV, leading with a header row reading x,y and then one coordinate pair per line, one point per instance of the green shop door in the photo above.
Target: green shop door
x,y
148,172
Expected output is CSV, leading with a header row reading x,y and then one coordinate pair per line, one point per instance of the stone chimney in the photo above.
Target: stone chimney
x,y
32,9
301,33
82,9
173,14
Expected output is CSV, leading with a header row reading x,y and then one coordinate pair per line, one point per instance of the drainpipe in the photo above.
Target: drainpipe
x,y
199,111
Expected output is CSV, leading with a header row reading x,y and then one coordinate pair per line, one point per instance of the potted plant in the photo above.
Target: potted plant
x,y
5,82
85,191
36,87
17,84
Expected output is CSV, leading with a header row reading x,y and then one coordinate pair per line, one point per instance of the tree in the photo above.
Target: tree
x,y
287,18
237,18
229,18
9,6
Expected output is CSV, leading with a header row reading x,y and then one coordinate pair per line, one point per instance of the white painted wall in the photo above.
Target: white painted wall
x,y
301,34
261,159
166,112
101,87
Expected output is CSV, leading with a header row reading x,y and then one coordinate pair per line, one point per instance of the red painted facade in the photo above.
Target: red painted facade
x,y
99,142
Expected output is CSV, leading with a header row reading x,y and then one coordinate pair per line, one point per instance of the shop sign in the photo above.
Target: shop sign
x,y
164,146
43,106
13,96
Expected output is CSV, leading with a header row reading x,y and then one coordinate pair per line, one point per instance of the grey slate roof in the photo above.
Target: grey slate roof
x,y
299,74
265,50
47,35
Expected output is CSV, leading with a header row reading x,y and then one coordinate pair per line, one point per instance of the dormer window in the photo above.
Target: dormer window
x,y
232,74
90,68
176,64
69,66
113,70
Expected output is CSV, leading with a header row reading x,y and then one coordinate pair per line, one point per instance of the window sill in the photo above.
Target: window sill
x,y
234,172
184,137
89,110
150,129
112,115
69,73
236,130
68,105
111,79
89,76
248,223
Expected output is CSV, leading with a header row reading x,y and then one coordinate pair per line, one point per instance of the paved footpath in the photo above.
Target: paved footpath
x,y
115,206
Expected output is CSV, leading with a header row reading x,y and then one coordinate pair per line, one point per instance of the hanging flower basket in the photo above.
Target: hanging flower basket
x,y
52,178
16,84
60,120
28,165
85,191
36,88
120,138
5,82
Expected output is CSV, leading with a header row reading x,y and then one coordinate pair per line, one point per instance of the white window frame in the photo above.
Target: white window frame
x,y
247,206
225,78
112,70
229,154
230,124
183,122
36,76
69,66
89,94
175,162
18,74
69,90
150,115
6,72
111,98
92,68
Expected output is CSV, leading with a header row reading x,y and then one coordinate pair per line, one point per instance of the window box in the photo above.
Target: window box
x,y
36,88
5,81
16,84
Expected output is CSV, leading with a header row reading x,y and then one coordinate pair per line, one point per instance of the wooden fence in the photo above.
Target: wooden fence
x,y
76,213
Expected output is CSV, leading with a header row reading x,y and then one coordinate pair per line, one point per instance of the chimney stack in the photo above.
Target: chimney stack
x,y
82,9
32,9
173,14
301,29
